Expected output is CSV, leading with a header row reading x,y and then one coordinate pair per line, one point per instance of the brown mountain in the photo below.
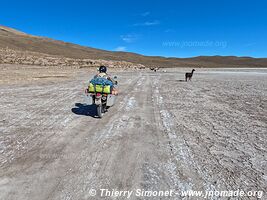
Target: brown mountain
x,y
16,40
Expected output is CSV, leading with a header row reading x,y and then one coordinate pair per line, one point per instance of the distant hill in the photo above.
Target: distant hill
x,y
17,40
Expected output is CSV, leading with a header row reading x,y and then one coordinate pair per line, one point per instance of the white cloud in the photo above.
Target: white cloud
x,y
120,48
148,23
129,38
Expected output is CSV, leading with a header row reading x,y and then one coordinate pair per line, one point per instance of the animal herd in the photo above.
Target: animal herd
x,y
188,75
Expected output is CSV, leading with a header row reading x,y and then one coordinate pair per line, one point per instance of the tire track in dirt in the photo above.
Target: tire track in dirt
x,y
182,168
96,158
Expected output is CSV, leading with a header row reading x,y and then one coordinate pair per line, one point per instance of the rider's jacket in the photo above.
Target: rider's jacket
x,y
102,75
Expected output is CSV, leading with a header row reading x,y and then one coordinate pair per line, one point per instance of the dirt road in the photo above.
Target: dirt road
x,y
162,134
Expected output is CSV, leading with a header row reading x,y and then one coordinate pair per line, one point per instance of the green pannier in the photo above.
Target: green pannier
x,y
99,88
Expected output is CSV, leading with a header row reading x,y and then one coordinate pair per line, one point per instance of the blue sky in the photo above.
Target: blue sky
x,y
169,28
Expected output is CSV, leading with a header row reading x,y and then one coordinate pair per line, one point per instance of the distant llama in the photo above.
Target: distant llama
x,y
188,76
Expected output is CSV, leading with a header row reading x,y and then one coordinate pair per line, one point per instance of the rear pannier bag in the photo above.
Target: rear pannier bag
x,y
100,85
100,88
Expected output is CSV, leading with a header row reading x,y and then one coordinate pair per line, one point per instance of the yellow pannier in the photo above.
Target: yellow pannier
x,y
99,88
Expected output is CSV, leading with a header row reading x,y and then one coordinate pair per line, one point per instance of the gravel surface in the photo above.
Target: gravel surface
x,y
209,134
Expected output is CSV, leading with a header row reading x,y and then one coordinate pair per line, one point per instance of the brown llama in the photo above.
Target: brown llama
x,y
188,76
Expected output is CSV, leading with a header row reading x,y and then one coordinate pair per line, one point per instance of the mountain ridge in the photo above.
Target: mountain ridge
x,y
17,40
